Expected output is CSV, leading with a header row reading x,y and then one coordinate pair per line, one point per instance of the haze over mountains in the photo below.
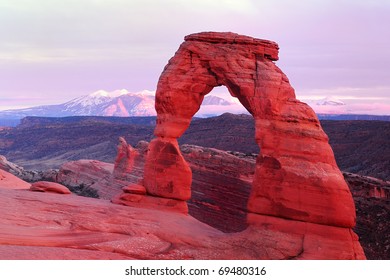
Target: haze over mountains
x,y
119,103
122,103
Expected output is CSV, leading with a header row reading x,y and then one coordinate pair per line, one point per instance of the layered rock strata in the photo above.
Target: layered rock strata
x,y
54,226
27,175
125,158
296,174
71,227
10,181
51,187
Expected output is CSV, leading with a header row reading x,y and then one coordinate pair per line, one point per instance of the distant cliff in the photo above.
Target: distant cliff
x,y
361,147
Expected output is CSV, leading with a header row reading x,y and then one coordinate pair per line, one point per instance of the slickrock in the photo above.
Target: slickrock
x,y
146,201
220,190
85,177
10,181
74,227
88,172
105,180
27,175
83,228
42,186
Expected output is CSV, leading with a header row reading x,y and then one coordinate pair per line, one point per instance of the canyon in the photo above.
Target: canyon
x,y
360,147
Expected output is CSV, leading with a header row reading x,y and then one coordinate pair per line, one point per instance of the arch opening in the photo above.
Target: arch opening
x,y
219,190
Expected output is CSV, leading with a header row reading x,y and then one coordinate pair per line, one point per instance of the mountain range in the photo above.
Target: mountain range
x,y
122,103
119,103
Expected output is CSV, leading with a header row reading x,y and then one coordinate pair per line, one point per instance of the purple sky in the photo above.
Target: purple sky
x,y
52,51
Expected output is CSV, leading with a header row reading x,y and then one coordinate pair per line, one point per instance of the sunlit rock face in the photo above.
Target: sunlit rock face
x,y
297,187
10,181
124,161
296,174
51,187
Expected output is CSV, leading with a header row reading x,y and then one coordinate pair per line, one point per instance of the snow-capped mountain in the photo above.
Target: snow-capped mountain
x,y
121,103
215,100
330,100
328,105
100,103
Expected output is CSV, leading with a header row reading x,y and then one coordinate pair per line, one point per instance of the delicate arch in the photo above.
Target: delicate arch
x,y
296,174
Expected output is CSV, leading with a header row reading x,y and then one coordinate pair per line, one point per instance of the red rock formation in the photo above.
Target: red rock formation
x,y
104,180
367,187
74,227
124,161
221,185
371,197
9,166
296,173
135,189
83,228
27,175
42,186
9,181
167,174
88,172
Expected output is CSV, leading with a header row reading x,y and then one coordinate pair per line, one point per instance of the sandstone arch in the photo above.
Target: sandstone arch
x,y
296,174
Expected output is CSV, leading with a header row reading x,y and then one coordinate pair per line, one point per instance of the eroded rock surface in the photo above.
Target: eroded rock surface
x,y
105,180
371,197
43,186
10,181
296,174
27,175
71,227
79,176
125,159
77,227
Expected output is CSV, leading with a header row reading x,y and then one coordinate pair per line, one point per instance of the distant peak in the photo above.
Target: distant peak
x,y
215,100
146,92
330,100
112,94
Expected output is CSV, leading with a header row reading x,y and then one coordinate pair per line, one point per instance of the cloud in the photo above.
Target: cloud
x,y
370,105
356,109
351,93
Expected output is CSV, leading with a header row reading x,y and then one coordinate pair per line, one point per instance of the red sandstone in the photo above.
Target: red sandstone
x,y
296,174
299,205
42,186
